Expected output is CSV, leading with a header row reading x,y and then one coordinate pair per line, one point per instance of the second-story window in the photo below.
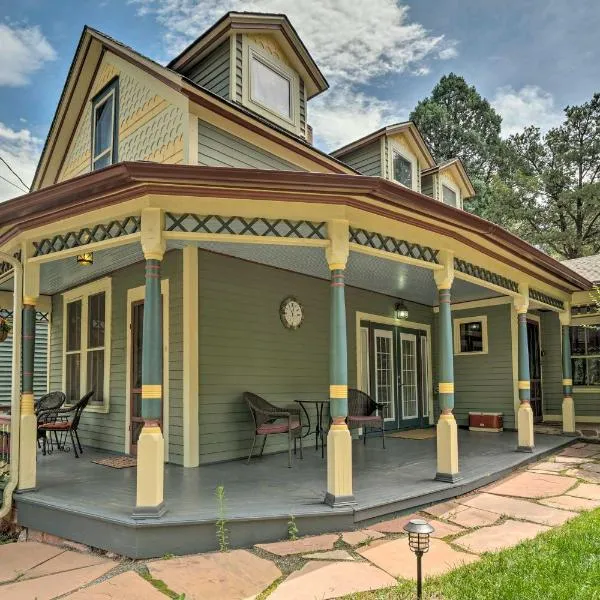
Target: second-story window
x,y
448,195
270,87
104,126
402,170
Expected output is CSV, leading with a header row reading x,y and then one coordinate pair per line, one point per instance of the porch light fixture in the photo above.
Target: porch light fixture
x,y
85,259
418,541
400,311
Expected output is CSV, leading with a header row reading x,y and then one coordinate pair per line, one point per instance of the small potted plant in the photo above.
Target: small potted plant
x,y
5,329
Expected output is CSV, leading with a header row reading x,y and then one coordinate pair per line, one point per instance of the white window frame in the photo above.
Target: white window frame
x,y
83,293
109,95
388,335
251,52
396,150
457,322
446,181
412,338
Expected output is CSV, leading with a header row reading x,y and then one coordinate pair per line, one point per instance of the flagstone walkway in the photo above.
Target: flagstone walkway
x,y
531,501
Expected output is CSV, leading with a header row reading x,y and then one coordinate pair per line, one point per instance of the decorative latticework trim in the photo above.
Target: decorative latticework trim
x,y
251,226
88,235
546,299
5,267
485,275
377,241
586,309
7,314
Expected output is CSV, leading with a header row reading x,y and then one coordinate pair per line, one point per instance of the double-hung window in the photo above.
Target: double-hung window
x,y
402,169
585,354
448,195
270,87
470,335
104,126
86,343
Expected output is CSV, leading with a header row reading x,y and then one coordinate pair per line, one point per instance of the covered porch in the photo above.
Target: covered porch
x,y
92,504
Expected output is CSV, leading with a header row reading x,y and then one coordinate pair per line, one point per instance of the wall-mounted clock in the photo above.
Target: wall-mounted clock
x,y
291,313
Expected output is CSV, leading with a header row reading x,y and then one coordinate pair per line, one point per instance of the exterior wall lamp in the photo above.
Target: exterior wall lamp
x,y
85,259
400,311
419,532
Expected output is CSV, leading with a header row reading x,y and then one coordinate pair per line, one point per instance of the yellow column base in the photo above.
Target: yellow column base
x,y
27,452
339,466
525,427
568,415
447,449
150,474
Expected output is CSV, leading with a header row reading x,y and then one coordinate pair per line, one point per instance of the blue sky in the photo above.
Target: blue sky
x,y
530,58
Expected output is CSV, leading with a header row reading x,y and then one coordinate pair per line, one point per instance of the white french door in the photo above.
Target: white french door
x,y
424,377
409,376
384,372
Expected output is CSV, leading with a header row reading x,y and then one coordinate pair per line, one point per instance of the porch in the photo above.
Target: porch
x,y
92,504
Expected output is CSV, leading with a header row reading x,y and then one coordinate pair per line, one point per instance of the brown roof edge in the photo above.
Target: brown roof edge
x,y
91,187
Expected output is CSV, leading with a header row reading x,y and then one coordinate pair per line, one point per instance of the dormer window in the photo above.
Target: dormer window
x,y
448,195
270,87
104,126
402,170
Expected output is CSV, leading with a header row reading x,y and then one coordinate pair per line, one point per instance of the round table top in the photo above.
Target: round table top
x,y
312,401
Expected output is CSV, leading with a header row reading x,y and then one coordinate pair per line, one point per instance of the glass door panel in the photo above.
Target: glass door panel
x,y
137,327
384,372
410,381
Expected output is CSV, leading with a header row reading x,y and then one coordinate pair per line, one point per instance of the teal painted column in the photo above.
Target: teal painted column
x,y
524,414
28,350
524,378
568,404
445,354
338,352
152,351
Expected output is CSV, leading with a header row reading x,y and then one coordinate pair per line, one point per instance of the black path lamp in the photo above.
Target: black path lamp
x,y
418,540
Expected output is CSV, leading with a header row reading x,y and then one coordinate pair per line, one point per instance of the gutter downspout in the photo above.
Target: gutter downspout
x,y
15,406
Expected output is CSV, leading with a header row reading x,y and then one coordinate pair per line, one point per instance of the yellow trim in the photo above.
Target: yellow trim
x,y
338,391
567,382
151,429
151,391
337,266
477,304
27,404
524,385
446,388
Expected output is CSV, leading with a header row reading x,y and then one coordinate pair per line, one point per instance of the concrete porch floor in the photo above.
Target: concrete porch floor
x,y
92,504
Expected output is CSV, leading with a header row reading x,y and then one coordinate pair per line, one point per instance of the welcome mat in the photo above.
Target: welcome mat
x,y
117,462
414,434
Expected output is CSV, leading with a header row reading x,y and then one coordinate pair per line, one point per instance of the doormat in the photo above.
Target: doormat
x,y
414,434
117,462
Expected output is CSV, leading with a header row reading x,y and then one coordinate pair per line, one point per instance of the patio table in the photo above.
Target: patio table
x,y
319,429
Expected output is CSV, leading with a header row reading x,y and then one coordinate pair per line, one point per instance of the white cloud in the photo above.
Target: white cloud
x,y
448,52
24,51
531,105
341,116
21,150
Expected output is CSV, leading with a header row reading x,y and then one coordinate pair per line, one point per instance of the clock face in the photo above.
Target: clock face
x,y
291,313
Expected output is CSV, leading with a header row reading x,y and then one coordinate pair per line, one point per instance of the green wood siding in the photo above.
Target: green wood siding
x,y
213,71
218,148
107,431
244,346
366,160
484,382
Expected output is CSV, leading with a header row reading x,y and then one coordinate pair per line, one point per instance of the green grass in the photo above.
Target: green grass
x,y
562,564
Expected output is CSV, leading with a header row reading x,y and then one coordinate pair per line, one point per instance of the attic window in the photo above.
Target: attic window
x,y
402,170
104,126
448,195
270,87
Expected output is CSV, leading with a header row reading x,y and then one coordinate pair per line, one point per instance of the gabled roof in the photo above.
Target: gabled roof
x,y
586,266
276,25
456,165
90,49
407,127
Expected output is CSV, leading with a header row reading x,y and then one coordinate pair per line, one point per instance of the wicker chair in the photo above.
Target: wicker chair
x,y
69,423
265,416
46,409
361,409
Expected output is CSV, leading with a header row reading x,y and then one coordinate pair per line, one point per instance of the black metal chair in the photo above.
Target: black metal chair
x,y
265,416
46,409
69,423
361,413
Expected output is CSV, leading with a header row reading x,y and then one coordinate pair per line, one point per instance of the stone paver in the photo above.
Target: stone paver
x,y
67,561
51,586
588,476
313,543
571,459
225,575
16,559
580,452
442,509
586,490
497,537
319,580
571,503
533,485
520,509
398,560
329,555
593,467
552,467
354,538
441,530
394,525
127,586
472,517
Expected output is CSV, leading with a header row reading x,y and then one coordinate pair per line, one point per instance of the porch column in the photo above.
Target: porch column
x,y
568,406
151,446
28,429
339,440
524,414
447,430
